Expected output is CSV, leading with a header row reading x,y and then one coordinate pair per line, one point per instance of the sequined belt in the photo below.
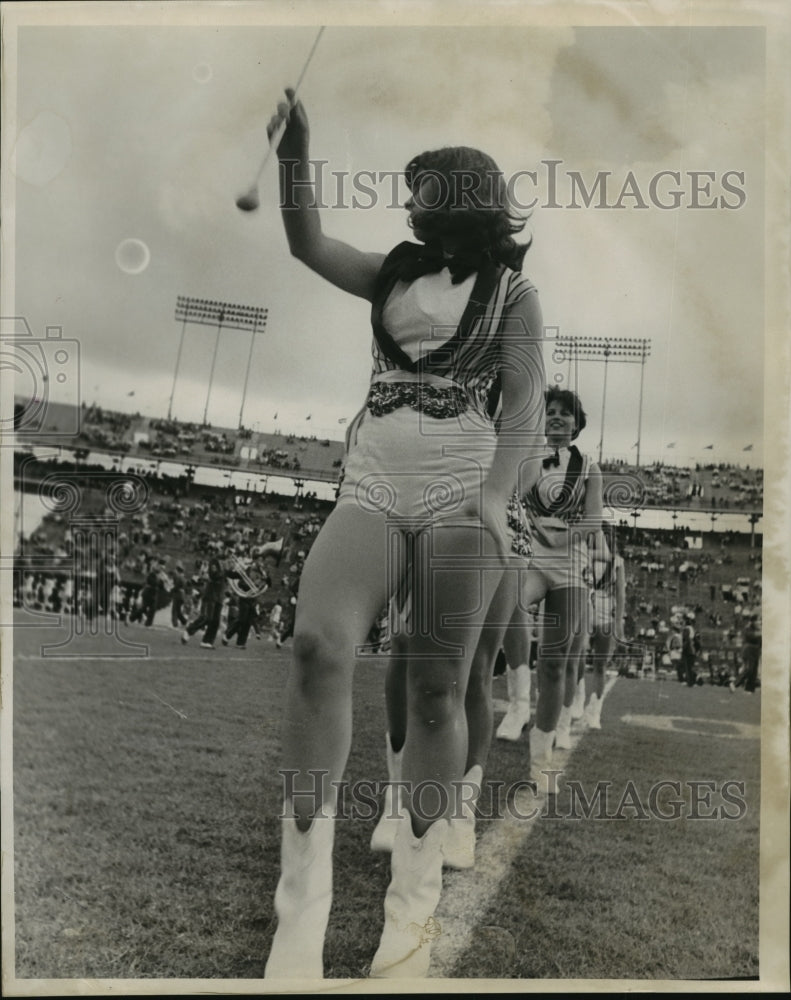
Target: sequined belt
x,y
439,401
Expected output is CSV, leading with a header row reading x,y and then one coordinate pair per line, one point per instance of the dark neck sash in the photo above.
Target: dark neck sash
x,y
485,283
560,503
604,581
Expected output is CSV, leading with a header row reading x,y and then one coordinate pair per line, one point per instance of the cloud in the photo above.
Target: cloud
x,y
641,94
42,149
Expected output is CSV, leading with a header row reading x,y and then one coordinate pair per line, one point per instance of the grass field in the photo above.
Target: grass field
x,y
146,840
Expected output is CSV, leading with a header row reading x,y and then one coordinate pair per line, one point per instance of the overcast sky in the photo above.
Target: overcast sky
x,y
150,133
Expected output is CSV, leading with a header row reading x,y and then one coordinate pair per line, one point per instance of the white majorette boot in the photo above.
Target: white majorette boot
x,y
541,769
385,830
578,705
593,712
563,729
518,714
302,900
459,847
412,897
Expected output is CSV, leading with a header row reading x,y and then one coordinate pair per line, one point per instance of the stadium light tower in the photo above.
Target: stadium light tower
x,y
754,519
627,350
223,315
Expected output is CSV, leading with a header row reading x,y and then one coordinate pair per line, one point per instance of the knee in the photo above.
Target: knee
x,y
435,701
552,669
319,661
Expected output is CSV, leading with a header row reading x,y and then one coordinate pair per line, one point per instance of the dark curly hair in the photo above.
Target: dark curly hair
x,y
570,401
474,200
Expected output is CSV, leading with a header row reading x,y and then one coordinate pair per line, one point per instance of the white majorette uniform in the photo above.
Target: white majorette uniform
x,y
555,505
425,440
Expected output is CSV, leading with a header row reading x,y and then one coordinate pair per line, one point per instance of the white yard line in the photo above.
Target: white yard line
x,y
468,894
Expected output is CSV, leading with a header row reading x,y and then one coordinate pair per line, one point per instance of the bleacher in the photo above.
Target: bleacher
x,y
137,436
181,523
707,488
715,576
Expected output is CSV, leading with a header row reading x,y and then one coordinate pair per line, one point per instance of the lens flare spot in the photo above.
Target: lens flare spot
x,y
132,256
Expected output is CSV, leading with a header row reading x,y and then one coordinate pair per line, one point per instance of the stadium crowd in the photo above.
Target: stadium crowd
x,y
710,486
159,559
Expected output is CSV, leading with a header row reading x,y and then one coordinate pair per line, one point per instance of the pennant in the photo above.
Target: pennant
x,y
708,447
308,416
748,448
343,421
671,445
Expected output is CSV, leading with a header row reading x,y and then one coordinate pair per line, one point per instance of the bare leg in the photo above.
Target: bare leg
x,y
516,646
338,600
566,606
440,657
449,606
343,586
478,701
395,691
576,666
516,642
602,644
502,628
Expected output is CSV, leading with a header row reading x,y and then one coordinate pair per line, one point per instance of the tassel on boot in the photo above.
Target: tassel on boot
x,y
459,847
593,712
518,714
385,830
302,900
541,771
412,897
578,705
563,729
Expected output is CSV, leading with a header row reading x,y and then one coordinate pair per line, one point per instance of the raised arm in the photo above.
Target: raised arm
x,y
343,265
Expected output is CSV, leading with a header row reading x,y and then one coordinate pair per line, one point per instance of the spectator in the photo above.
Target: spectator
x,y
688,650
674,646
751,656
275,619
256,583
211,606
177,616
288,623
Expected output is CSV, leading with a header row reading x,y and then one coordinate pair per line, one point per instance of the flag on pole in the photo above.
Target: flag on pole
x,y
708,447
748,448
